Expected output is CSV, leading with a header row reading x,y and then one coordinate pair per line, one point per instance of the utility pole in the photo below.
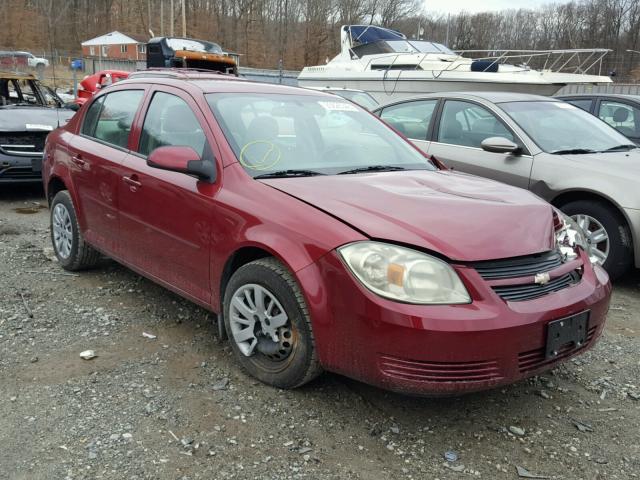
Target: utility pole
x,y
171,17
149,14
184,21
162,18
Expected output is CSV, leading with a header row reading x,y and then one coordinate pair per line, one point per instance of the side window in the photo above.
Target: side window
x,y
583,103
170,121
116,117
621,116
91,117
468,124
411,118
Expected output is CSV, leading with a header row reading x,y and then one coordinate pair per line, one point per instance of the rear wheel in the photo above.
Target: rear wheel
x,y
72,251
608,235
268,325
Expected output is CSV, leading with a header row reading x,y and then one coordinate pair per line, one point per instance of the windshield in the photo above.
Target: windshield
x,y
272,133
562,127
418,46
361,98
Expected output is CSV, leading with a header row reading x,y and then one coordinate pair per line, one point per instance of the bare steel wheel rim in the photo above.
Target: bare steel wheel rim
x,y
259,323
598,243
62,231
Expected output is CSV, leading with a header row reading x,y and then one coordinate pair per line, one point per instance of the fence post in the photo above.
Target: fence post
x,y
280,70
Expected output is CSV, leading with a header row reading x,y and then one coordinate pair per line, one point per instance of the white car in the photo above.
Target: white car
x,y
36,62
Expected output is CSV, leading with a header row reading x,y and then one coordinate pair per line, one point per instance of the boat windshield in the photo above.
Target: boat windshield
x,y
299,135
418,46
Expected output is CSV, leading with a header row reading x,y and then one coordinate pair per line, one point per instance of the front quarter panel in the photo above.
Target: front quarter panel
x,y
250,213
554,175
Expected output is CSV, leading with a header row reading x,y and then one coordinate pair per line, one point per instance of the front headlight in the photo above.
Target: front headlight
x,y
403,274
569,237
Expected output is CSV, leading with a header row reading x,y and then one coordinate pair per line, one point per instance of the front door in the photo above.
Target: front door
x,y
165,217
461,129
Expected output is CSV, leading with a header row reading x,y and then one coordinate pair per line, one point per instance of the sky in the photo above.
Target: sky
x,y
472,6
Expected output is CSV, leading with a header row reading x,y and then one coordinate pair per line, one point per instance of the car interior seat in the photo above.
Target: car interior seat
x,y
621,115
258,150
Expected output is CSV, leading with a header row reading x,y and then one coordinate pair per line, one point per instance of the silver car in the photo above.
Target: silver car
x,y
558,151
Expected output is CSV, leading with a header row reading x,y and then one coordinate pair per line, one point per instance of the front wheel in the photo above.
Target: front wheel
x,y
608,236
268,325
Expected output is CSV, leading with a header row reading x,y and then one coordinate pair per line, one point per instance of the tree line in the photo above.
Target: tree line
x,y
306,32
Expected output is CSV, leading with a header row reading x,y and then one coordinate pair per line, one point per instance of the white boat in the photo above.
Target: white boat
x,y
389,66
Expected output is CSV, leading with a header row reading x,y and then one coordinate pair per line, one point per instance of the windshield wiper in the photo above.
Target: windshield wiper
x,y
289,173
619,148
372,168
573,151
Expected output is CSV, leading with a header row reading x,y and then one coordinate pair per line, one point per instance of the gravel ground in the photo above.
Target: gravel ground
x,y
177,407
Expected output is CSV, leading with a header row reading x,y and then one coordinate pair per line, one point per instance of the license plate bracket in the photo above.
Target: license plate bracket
x,y
36,165
565,331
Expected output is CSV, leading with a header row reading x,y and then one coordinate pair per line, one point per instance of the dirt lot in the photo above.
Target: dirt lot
x,y
177,406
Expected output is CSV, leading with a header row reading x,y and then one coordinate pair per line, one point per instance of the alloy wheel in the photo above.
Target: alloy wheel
x,y
62,231
598,243
259,323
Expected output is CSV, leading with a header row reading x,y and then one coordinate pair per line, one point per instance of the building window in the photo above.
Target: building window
x,y
123,49
104,50
142,48
92,51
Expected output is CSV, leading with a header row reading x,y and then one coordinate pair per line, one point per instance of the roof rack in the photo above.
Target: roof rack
x,y
176,73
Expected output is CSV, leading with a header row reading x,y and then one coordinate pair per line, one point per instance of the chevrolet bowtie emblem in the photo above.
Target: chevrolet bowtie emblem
x,y
542,278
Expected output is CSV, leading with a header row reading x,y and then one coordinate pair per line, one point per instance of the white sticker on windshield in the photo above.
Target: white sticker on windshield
x,y
38,126
339,106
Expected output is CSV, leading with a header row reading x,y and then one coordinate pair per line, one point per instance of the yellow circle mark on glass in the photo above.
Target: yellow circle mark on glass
x,y
270,158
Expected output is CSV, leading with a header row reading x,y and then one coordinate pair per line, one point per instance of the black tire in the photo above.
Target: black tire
x,y
620,255
301,365
82,255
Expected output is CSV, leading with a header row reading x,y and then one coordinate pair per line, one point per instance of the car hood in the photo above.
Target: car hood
x,y
33,118
463,217
621,163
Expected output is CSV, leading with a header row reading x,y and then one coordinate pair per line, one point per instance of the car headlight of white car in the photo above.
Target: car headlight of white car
x,y
403,274
569,237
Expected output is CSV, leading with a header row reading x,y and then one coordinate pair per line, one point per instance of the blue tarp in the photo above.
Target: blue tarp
x,y
369,33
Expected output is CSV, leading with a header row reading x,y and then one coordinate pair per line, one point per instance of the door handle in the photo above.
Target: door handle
x,y
132,181
77,159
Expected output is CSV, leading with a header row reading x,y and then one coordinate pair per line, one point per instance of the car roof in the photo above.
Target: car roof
x,y
492,97
212,82
16,76
635,98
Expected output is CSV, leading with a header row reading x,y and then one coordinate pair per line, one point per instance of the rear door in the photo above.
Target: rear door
x,y
461,127
413,119
165,217
96,155
622,115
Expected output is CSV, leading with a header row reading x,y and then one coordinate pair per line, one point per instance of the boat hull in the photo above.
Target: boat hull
x,y
392,85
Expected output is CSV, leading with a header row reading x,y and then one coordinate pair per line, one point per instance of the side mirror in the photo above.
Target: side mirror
x,y
500,145
71,106
183,160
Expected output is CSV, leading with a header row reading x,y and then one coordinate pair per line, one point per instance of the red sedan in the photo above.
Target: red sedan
x,y
320,237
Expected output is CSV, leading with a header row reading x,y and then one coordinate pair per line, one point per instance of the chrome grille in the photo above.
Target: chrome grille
x,y
27,144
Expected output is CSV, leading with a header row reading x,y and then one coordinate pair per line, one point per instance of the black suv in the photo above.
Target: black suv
x,y
28,112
